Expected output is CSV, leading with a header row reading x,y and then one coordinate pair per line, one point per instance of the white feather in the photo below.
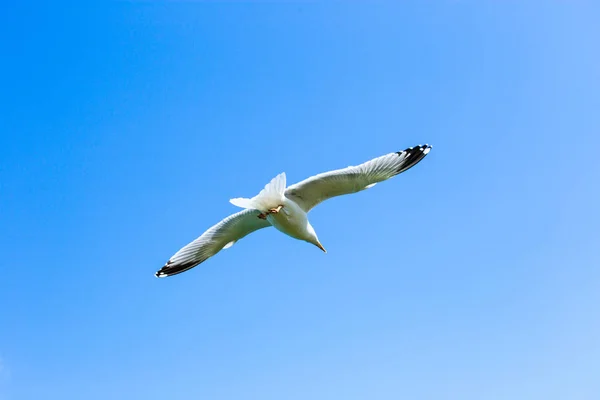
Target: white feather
x,y
270,197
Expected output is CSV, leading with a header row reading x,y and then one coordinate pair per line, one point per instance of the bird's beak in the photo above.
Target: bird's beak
x,y
319,245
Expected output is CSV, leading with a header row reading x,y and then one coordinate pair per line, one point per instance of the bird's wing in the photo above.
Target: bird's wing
x,y
220,236
321,187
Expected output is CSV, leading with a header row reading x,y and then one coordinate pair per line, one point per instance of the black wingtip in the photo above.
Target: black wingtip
x,y
171,268
162,273
165,270
412,156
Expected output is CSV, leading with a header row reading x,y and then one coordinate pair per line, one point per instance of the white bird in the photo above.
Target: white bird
x,y
286,208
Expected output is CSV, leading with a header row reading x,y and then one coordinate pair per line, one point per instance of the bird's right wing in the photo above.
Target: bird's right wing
x,y
321,187
220,236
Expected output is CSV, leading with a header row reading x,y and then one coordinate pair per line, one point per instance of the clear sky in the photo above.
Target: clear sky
x,y
125,128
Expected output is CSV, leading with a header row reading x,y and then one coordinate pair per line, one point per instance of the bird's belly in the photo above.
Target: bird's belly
x,y
289,221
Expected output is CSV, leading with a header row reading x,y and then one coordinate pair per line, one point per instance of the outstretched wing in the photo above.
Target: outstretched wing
x,y
321,187
222,235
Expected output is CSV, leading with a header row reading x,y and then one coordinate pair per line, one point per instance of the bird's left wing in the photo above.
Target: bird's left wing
x,y
220,236
321,187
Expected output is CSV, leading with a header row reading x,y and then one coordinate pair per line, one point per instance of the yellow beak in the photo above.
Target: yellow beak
x,y
319,245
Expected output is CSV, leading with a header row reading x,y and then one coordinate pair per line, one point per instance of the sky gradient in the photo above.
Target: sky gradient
x,y
126,128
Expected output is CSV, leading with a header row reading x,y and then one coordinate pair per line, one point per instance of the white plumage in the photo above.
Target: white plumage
x,y
272,194
286,208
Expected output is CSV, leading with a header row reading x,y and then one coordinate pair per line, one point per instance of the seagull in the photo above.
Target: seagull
x,y
286,208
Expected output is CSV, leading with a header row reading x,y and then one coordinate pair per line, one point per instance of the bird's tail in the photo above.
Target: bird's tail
x,y
270,197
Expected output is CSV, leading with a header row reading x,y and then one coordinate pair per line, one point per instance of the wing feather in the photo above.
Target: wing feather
x,y
221,235
312,191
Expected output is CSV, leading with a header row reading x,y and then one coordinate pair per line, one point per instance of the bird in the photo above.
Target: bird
x,y
287,208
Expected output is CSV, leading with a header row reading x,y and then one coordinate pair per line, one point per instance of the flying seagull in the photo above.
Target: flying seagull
x,y
286,208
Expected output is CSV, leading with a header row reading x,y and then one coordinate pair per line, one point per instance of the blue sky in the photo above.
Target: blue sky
x,y
126,128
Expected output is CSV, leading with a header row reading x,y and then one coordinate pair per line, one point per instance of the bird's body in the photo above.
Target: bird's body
x,y
291,220
286,208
